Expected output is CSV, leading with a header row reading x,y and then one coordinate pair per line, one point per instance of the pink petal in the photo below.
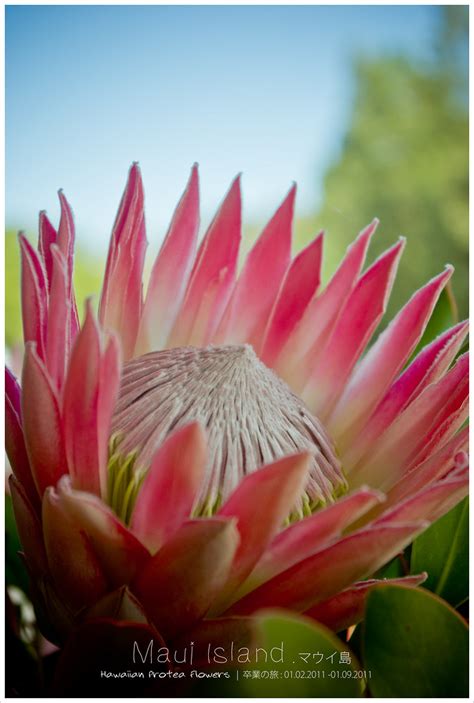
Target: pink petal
x,y
299,286
353,330
428,367
65,241
403,443
347,607
79,578
16,452
308,536
271,492
385,359
29,528
109,384
14,439
330,570
260,280
121,300
430,503
170,488
13,392
34,296
47,237
212,277
90,393
171,271
120,554
211,302
42,425
294,362
80,410
121,604
58,342
193,566
450,420
433,468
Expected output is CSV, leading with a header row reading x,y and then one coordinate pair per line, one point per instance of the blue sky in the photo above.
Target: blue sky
x,y
266,90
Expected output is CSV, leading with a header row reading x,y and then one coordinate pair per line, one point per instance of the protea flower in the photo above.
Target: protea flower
x,y
224,443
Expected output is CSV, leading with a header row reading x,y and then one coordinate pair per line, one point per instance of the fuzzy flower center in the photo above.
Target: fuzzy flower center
x,y
251,417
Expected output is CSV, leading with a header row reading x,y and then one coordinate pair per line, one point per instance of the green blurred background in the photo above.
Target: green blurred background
x,y
404,159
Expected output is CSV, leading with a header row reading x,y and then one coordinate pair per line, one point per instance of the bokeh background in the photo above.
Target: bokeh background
x,y
365,107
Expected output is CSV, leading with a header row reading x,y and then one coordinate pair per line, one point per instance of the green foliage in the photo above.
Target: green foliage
x,y
299,636
13,329
405,161
87,280
415,645
443,551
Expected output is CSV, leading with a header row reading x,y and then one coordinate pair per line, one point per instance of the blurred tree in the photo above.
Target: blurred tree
x,y
405,160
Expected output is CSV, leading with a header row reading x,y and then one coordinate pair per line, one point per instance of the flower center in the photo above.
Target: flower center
x,y
251,418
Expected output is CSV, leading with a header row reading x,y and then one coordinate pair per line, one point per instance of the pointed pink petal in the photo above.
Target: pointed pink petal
x,y
34,296
193,566
325,573
29,528
109,385
170,272
80,410
79,578
321,314
428,367
432,469
215,264
16,451
13,391
308,536
347,607
431,418
260,280
90,392
58,342
120,554
47,237
66,231
211,301
385,359
121,299
271,492
430,503
65,241
299,286
353,330
42,425
449,422
121,604
171,486
14,439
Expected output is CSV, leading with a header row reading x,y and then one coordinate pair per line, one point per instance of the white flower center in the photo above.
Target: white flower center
x,y
251,417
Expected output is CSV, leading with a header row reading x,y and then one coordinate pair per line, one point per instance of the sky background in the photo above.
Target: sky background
x,y
266,91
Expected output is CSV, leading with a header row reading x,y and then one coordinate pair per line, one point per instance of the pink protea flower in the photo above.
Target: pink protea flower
x,y
224,443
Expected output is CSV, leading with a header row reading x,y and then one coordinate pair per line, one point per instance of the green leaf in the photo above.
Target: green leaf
x,y
392,570
305,670
415,645
443,552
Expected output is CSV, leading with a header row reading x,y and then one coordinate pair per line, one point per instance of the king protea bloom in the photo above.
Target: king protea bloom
x,y
228,441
